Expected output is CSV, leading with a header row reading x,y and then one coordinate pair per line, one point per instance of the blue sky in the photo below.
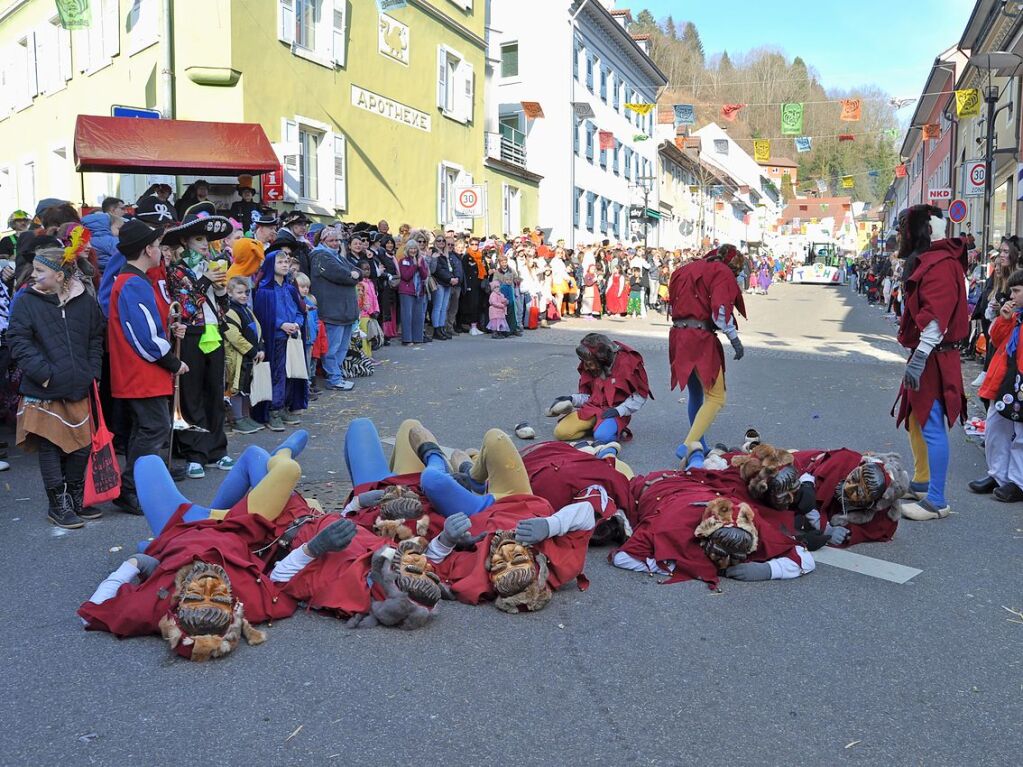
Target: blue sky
x,y
888,43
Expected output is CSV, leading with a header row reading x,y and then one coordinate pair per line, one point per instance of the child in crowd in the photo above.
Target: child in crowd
x,y
281,314
498,324
243,348
369,305
312,325
635,292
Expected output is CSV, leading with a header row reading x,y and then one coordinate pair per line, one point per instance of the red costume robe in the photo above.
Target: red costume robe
x,y
466,572
936,291
829,468
697,290
558,473
136,610
666,519
628,377
618,294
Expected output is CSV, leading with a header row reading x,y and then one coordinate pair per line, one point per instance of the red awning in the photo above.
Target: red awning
x,y
131,145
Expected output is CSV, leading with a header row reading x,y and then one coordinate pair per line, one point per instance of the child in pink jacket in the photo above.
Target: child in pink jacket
x,y
498,324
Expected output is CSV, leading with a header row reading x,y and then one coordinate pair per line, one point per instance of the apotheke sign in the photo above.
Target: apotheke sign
x,y
389,108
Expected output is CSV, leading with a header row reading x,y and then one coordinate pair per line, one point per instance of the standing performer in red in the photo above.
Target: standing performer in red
x,y
935,320
703,295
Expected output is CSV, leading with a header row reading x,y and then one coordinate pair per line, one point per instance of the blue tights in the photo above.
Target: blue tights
x,y
448,497
364,454
936,436
694,401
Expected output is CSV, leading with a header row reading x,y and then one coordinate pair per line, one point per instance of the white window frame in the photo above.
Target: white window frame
x,y
511,203
101,42
331,33
307,164
465,5
445,192
329,182
509,44
59,171
455,85
27,197
146,34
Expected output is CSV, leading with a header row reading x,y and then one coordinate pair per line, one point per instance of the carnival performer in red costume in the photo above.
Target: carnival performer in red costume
x,y
613,387
934,321
703,295
696,525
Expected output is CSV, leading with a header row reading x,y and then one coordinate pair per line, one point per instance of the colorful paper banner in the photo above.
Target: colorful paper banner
x,y
74,14
791,119
822,185
846,137
721,145
851,110
968,103
607,139
931,131
731,111
692,142
900,171
685,114
532,109
640,109
848,182
762,150
582,109
803,143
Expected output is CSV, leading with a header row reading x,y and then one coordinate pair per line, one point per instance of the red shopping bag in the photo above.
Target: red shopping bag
x,y
534,317
102,475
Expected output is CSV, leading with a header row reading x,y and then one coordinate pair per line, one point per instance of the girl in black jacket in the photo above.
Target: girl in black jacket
x,y
56,337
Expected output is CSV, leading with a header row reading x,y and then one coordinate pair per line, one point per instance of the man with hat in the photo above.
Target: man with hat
x,y
245,209
703,296
141,363
197,283
264,226
294,226
18,222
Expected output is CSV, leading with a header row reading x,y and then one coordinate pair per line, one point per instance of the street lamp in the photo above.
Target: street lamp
x,y
992,61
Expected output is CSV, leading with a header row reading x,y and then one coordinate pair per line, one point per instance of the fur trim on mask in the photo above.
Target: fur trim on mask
x,y
890,501
535,597
758,467
598,348
722,513
205,646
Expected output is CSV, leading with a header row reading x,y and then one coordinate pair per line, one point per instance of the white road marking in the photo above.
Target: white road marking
x,y
858,563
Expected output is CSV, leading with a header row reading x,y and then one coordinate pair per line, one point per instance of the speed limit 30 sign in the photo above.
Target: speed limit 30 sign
x,y
469,201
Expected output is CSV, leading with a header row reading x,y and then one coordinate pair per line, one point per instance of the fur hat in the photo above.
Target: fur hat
x,y
757,467
248,257
722,513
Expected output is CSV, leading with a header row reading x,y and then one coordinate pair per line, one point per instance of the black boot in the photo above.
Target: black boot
x,y
62,511
77,492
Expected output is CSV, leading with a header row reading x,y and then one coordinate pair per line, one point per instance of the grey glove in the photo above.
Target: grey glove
x,y
814,518
740,352
532,530
749,571
915,369
333,537
836,535
455,528
370,498
146,564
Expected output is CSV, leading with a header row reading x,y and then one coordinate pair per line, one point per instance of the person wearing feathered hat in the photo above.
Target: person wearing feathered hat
x,y
935,320
613,387
704,296
197,282
56,338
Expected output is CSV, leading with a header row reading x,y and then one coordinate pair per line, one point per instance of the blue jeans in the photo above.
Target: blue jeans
x,y
439,314
338,339
413,314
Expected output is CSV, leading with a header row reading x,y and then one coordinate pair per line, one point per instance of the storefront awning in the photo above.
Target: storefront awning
x,y
129,145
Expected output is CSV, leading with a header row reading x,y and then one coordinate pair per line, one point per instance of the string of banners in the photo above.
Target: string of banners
x,y
792,113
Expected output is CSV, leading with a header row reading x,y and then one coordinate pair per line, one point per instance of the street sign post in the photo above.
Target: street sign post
x,y
975,174
469,201
957,211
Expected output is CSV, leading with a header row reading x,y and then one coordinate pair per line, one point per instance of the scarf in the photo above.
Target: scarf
x,y
477,257
1010,348
192,259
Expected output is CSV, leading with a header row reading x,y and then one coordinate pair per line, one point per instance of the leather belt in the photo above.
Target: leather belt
x,y
947,346
692,322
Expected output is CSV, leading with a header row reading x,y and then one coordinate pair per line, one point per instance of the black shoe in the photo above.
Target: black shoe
x,y
1008,493
179,473
77,492
983,486
61,511
128,503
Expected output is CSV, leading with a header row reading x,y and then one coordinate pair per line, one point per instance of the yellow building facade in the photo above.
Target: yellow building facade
x,y
373,113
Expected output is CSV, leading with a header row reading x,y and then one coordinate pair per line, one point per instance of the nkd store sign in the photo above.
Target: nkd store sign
x,y
389,108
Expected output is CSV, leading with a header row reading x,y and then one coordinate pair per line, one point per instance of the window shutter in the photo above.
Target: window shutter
x,y
289,150
442,194
64,46
6,94
286,18
32,80
44,56
340,173
442,76
468,79
111,28
340,32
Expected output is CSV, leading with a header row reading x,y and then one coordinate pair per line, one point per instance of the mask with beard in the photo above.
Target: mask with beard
x,y
415,573
519,579
596,353
205,621
862,487
727,537
398,507
782,488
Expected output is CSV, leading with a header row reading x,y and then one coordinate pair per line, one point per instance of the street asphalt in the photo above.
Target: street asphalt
x,y
836,667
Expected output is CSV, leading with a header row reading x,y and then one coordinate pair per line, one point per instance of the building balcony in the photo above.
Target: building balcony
x,y
508,145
